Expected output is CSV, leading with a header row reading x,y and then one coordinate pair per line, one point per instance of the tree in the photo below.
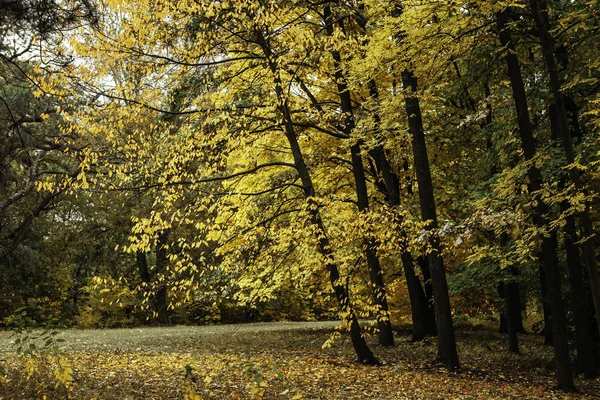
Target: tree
x,y
443,314
540,14
549,260
386,336
274,115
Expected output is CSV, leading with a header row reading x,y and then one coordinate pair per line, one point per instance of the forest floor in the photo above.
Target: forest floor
x,y
281,360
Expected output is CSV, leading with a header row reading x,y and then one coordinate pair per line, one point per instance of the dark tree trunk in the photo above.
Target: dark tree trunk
x,y
575,128
388,183
384,325
423,318
429,311
386,335
363,352
160,295
142,264
390,187
513,313
422,314
511,321
549,243
418,303
517,310
585,358
547,310
503,326
518,315
443,315
559,321
156,297
540,13
586,362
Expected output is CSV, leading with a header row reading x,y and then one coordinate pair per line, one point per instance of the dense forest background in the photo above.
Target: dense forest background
x,y
407,162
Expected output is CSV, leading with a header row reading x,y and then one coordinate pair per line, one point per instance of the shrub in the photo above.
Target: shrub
x,y
108,303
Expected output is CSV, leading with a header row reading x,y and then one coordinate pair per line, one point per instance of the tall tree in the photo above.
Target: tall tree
x,y
386,335
388,183
363,353
549,258
542,22
443,314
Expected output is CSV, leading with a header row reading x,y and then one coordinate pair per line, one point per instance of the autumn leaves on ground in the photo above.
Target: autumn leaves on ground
x,y
284,361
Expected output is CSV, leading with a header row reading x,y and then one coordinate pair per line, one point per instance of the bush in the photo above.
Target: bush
x,y
108,303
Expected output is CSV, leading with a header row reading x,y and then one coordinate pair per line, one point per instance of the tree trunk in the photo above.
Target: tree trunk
x,y
156,297
509,291
362,350
160,295
429,311
546,309
513,311
540,13
520,308
389,184
384,325
516,310
559,320
549,244
417,298
585,358
443,315
586,362
390,187
142,264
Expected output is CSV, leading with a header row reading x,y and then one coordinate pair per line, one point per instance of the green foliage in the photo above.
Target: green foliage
x,y
28,343
40,352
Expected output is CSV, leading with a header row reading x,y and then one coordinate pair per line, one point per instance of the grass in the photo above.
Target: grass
x,y
282,360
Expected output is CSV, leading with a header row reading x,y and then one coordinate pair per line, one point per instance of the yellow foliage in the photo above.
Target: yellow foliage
x,y
63,372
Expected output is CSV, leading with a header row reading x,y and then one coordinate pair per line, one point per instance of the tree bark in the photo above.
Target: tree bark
x,y
142,264
549,243
388,183
514,303
559,321
430,312
585,358
513,312
443,315
417,298
546,309
586,362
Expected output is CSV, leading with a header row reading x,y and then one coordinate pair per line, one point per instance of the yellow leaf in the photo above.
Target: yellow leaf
x,y
191,395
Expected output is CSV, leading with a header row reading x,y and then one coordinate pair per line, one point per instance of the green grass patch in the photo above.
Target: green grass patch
x,y
281,360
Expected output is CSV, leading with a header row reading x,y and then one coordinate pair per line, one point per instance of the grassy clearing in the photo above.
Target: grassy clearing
x,y
283,361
